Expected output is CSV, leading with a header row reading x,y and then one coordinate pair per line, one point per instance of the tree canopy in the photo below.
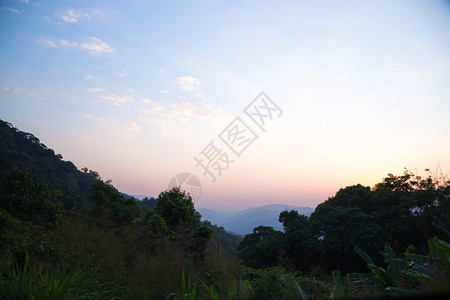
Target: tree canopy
x,y
24,151
400,210
53,215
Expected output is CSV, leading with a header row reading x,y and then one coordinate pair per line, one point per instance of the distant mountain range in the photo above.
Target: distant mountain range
x,y
243,222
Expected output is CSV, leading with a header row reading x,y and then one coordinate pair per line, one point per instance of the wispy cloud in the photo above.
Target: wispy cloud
x,y
180,115
163,71
89,77
12,10
151,107
86,137
90,115
67,43
71,15
168,123
99,14
74,15
51,44
96,46
188,83
164,91
164,125
47,42
121,74
156,108
21,91
117,99
108,119
133,127
200,96
92,44
96,90
198,110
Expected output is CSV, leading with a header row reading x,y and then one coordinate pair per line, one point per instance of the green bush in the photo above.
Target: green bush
x,y
408,275
24,283
272,283
314,288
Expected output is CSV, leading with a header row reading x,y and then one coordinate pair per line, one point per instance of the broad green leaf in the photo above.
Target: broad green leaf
x,y
443,246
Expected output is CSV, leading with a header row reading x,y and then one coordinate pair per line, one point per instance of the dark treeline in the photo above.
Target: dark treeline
x,y
24,151
401,210
67,234
56,219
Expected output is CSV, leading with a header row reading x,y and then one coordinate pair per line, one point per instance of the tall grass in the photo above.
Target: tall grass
x,y
25,283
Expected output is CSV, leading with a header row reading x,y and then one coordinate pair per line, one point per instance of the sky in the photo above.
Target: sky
x,y
141,91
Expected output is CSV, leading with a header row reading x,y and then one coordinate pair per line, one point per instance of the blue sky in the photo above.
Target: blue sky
x,y
136,89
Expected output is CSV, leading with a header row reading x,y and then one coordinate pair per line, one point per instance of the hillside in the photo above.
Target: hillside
x,y
122,248
111,247
243,222
24,151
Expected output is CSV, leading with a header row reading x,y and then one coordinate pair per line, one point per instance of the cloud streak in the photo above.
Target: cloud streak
x,y
96,46
12,10
21,91
117,99
93,45
188,83
198,110
180,115
133,127
89,77
96,90
74,15
66,43
151,107
108,119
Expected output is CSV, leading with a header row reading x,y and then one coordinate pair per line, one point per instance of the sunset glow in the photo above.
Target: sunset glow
x,y
135,90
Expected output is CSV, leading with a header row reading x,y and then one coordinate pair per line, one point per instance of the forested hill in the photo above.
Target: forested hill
x,y
115,247
24,151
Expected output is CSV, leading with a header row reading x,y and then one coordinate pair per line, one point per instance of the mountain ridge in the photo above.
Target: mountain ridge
x,y
244,221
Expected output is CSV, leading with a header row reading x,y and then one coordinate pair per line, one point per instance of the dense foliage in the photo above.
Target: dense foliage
x,y
25,152
67,234
401,210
